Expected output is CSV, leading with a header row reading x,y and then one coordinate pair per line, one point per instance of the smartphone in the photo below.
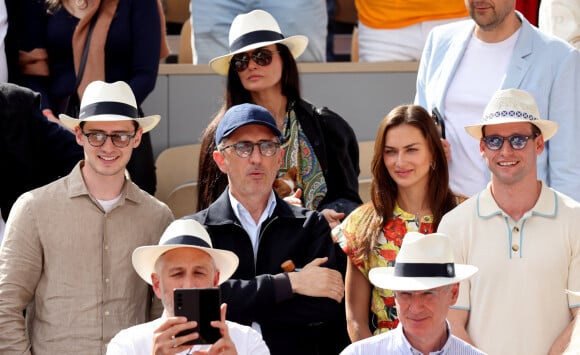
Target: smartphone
x,y
439,121
201,305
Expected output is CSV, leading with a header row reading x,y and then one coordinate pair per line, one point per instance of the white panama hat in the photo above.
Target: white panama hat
x,y
256,29
183,233
424,262
510,106
109,102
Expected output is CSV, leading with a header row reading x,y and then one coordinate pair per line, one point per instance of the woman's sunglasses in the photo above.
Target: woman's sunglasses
x,y
260,56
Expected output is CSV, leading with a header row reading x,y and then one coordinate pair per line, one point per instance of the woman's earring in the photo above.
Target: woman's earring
x,y
432,165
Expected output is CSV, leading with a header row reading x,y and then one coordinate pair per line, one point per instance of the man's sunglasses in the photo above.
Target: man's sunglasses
x,y
517,141
260,56
98,139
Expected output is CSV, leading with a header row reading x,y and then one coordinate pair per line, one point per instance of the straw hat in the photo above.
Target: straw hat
x,y
254,30
183,233
424,262
509,106
109,102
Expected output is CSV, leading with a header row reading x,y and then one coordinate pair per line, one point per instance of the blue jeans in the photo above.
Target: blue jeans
x,y
211,20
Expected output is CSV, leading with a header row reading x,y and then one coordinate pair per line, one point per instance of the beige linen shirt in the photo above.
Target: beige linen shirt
x,y
69,261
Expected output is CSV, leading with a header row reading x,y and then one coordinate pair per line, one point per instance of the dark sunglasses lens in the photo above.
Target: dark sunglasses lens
x,y
518,141
262,57
493,142
240,62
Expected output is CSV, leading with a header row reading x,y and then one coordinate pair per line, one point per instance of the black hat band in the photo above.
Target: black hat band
x,y
108,108
255,37
187,240
424,270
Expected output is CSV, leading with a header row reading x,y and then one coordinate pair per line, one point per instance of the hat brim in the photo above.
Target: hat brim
x,y
384,277
145,257
547,127
146,123
296,44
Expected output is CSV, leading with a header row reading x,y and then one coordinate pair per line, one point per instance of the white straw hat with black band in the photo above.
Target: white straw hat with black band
x,y
511,106
256,29
424,262
109,102
183,233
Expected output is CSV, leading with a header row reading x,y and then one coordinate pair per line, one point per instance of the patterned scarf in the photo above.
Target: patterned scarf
x,y
298,152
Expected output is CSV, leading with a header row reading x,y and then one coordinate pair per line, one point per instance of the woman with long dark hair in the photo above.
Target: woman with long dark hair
x,y
409,192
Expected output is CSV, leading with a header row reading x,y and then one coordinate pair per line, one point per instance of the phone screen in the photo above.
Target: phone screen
x,y
201,305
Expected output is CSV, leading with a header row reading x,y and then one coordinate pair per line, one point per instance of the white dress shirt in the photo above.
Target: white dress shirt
x,y
138,340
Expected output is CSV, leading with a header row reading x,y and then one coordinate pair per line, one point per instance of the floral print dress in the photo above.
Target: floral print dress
x,y
384,314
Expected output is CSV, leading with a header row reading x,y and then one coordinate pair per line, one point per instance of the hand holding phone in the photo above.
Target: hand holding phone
x,y
201,305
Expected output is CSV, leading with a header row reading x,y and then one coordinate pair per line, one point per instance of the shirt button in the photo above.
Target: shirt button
x,y
106,280
516,229
106,247
515,247
106,313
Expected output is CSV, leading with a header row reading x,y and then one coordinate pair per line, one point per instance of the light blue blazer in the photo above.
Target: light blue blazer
x,y
543,65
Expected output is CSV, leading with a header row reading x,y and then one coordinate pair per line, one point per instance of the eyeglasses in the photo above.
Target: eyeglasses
x,y
429,296
517,141
245,149
98,139
260,56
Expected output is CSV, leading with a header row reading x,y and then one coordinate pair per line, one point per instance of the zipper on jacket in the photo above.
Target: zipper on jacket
x,y
262,230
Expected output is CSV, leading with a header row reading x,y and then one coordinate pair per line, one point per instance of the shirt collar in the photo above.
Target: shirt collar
x,y
407,346
239,208
546,205
77,186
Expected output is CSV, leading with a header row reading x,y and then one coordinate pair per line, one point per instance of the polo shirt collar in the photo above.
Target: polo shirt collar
x,y
546,205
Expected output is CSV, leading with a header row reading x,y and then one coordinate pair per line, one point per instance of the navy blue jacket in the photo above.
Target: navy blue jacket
x,y
261,292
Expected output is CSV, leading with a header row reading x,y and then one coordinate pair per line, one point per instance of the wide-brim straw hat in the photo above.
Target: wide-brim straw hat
x,y
511,106
109,102
256,29
183,233
424,262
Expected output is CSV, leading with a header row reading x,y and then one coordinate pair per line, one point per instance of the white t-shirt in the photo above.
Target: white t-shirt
x,y
138,340
479,75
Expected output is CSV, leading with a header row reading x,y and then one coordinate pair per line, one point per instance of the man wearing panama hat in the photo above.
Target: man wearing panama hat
x,y
425,280
66,247
184,258
521,234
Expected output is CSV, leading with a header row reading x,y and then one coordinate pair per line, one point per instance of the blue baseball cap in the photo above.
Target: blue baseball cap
x,y
245,114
